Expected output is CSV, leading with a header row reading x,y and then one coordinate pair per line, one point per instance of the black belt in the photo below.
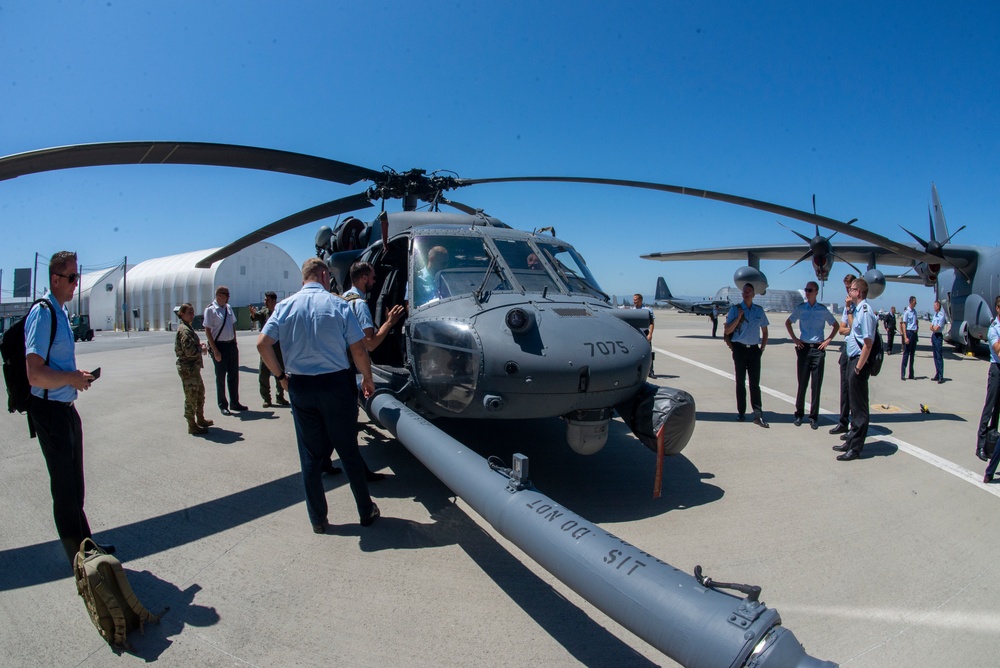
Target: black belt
x,y
217,342
53,401
745,345
812,345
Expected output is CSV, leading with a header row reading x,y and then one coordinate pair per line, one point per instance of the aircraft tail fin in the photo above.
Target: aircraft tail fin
x,y
662,291
940,226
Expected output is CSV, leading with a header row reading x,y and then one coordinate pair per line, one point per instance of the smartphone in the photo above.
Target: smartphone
x,y
96,373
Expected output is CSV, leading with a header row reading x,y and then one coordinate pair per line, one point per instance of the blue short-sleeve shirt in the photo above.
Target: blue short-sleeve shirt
x,y
863,328
360,308
939,320
38,331
315,329
812,321
910,322
748,333
992,337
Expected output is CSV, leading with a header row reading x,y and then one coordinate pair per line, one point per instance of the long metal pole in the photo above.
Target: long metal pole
x,y
697,626
34,272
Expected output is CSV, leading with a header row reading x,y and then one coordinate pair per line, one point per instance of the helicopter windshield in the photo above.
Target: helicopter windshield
x,y
528,269
572,269
451,266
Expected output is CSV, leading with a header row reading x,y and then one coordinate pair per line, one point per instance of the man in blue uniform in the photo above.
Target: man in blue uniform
x,y
991,409
316,330
55,382
845,327
938,321
859,346
810,350
748,323
909,331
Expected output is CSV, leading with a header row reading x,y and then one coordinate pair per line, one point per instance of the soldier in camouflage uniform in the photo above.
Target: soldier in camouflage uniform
x,y
260,316
189,349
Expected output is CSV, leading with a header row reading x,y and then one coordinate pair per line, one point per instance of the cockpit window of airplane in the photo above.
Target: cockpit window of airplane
x,y
572,269
449,266
526,264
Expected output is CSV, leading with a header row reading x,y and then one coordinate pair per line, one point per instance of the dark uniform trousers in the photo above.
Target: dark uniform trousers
x,y
747,361
845,389
227,373
890,337
937,346
325,413
858,390
991,411
265,378
60,435
811,364
909,353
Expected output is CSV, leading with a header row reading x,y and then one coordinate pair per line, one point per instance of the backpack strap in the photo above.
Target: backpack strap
x,y
131,599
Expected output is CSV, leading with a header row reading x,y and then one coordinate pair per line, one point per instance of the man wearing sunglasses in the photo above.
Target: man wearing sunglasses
x,y
55,382
810,350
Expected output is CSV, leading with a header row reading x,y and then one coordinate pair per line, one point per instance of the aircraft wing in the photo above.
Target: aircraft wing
x,y
696,307
859,254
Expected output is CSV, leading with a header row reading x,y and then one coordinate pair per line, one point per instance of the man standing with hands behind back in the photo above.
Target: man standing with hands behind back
x,y
55,382
220,331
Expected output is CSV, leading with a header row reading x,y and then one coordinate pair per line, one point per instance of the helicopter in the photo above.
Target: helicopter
x,y
502,323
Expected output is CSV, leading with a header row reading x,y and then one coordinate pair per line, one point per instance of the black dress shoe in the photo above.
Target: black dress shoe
x,y
239,407
940,381
838,429
372,516
982,455
225,411
330,469
843,447
740,418
901,378
372,476
911,376
267,404
934,378
282,402
761,422
848,456
813,424
987,478
320,528
798,422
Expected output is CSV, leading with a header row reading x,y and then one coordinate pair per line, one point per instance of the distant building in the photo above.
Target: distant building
x,y
97,297
783,301
154,287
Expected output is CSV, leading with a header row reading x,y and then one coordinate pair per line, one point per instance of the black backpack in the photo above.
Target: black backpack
x,y
877,355
15,367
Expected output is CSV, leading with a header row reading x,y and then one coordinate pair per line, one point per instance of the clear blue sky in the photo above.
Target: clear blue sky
x,y
863,104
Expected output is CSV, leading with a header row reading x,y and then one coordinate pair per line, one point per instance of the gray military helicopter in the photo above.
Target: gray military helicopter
x,y
509,324
502,323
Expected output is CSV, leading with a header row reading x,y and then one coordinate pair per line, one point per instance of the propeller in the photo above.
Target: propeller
x,y
819,247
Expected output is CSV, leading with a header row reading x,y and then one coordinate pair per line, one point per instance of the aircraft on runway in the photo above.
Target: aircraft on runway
x,y
966,279
694,305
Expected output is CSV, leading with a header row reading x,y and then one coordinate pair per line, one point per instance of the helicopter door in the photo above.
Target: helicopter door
x,y
388,291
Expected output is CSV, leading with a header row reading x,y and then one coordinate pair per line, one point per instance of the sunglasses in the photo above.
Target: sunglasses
x,y
810,289
72,278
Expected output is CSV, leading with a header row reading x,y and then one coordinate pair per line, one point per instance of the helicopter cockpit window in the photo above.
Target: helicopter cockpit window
x,y
572,269
528,268
450,266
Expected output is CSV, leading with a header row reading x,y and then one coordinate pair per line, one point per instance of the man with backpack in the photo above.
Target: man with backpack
x,y
55,382
747,323
858,347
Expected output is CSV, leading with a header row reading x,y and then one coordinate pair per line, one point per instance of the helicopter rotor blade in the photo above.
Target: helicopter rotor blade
x,y
311,215
464,208
182,153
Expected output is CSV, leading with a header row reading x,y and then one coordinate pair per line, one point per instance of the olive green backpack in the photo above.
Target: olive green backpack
x,y
112,604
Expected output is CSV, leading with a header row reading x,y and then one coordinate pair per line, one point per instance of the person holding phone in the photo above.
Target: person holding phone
x,y
55,384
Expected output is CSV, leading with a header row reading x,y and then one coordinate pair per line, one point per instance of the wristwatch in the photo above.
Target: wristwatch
x,y
281,377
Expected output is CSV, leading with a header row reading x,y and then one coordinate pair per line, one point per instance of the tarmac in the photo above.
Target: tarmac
x,y
884,561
